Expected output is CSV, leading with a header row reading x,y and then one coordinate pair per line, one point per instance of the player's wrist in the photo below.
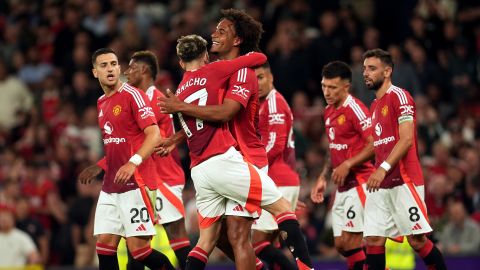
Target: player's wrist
x,y
136,160
386,166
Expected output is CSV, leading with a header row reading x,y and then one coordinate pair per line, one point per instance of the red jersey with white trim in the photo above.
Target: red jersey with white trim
x,y
243,88
169,169
395,107
347,129
122,118
275,125
203,87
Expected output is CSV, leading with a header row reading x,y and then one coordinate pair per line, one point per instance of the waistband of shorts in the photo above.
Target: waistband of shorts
x,y
230,152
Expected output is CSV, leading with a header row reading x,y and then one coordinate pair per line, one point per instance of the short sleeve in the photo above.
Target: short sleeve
x,y
241,85
141,109
403,105
361,120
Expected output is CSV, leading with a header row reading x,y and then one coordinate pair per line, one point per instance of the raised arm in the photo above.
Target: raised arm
x,y
225,68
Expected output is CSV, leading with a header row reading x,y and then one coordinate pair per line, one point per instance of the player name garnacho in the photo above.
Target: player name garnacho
x,y
191,82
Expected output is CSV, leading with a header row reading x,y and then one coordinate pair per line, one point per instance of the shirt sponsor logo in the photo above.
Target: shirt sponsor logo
x,y
383,141
378,129
385,110
114,140
341,119
366,123
331,133
338,146
406,110
146,112
240,91
117,110
276,119
108,128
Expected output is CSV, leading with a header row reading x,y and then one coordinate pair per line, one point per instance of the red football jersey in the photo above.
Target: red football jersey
x,y
243,88
347,129
122,118
395,107
169,169
275,125
202,87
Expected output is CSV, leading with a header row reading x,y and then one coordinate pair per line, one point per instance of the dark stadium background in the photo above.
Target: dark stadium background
x,y
48,131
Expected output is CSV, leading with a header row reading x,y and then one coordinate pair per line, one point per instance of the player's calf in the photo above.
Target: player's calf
x,y
375,253
429,253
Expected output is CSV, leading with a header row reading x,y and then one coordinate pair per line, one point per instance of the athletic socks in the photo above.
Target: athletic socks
x,y
107,257
152,259
355,258
197,259
181,247
259,264
293,237
265,251
134,264
432,256
375,258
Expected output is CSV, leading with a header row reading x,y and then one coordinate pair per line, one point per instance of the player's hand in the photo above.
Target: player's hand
x,y
340,173
301,206
89,173
317,191
169,103
124,173
375,179
165,147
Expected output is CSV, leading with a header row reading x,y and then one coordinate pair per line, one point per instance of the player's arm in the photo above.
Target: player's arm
x,y
152,139
320,185
167,145
406,134
277,134
225,68
213,113
89,173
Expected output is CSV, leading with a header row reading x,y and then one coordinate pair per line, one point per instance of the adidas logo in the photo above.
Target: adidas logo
x,y
141,228
238,208
101,113
416,227
350,224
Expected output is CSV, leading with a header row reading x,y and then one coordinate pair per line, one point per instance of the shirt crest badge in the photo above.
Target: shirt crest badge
x,y
385,110
341,119
117,110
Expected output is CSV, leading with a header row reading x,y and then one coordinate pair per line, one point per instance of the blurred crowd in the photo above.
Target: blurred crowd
x,y
48,117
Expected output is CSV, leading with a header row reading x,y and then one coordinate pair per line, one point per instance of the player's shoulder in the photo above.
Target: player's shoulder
x,y
355,107
397,94
243,75
131,92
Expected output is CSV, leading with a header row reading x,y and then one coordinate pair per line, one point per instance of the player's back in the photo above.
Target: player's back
x,y
243,88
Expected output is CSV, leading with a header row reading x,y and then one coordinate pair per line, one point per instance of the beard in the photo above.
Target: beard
x,y
375,85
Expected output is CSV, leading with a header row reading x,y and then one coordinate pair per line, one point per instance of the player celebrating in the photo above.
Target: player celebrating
x,y
130,134
395,204
212,149
275,125
348,128
141,73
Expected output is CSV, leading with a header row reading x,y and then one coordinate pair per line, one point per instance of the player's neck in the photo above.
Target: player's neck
x,y
145,84
232,54
383,89
194,65
110,90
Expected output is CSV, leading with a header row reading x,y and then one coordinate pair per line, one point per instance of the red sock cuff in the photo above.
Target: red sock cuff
x,y
258,264
285,216
179,243
141,253
375,249
104,249
259,246
426,249
199,253
356,257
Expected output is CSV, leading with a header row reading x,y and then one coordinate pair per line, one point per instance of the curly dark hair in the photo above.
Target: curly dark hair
x,y
247,29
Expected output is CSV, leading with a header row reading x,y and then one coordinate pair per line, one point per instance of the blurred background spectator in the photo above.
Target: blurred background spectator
x,y
48,128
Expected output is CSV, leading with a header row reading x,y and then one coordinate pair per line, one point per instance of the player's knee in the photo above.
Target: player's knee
x,y
417,241
352,240
176,229
108,239
375,240
138,242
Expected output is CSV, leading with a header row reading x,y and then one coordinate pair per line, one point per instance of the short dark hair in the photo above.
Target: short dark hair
x,y
148,58
191,47
100,52
337,69
266,65
384,56
247,29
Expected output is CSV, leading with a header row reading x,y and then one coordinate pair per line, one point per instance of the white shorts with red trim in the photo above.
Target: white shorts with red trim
x,y
394,212
266,222
126,214
169,204
348,210
228,176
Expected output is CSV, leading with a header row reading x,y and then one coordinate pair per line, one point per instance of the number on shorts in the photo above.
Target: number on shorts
x,y
202,96
158,204
414,216
350,213
139,215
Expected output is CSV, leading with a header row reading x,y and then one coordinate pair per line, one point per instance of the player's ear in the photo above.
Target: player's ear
x,y
387,72
237,41
182,64
94,72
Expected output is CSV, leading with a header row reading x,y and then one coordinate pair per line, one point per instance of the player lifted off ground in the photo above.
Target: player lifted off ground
x,y
348,128
237,33
395,204
275,125
129,134
210,157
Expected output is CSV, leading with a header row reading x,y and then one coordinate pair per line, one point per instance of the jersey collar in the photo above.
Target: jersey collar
x,y
149,92
347,100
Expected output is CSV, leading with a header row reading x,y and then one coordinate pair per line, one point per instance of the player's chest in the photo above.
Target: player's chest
x,y
114,115
338,125
383,120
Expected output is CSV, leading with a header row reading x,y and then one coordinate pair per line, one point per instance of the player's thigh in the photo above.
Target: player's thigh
x,y
378,219
107,216
410,212
169,204
136,213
